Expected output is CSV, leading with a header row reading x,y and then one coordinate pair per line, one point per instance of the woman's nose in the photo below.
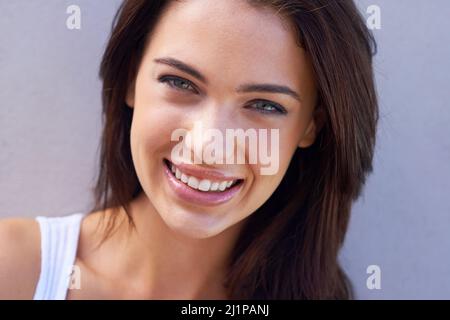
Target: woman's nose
x,y
207,135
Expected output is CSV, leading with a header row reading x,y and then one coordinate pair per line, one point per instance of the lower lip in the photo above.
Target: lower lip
x,y
191,195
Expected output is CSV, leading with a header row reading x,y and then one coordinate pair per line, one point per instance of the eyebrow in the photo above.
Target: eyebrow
x,y
182,67
250,87
267,87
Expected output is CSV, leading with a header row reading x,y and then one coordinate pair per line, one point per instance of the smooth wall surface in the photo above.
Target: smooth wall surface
x,y
50,126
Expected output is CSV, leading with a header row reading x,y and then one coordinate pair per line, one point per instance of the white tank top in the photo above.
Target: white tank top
x,y
59,242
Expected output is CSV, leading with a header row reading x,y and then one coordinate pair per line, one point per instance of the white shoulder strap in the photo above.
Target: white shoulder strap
x,y
59,242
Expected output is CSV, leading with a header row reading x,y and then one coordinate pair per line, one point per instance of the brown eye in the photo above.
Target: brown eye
x,y
178,83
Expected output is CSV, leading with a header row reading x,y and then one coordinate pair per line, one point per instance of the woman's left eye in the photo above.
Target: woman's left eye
x,y
268,107
178,83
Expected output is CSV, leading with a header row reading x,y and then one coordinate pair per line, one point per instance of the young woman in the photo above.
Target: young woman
x,y
166,230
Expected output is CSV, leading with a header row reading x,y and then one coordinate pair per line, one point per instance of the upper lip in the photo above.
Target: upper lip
x,y
204,172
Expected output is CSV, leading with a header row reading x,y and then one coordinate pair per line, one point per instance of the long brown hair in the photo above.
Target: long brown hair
x,y
289,247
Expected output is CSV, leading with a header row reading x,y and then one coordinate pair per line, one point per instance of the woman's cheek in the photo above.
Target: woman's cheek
x,y
157,119
262,187
280,164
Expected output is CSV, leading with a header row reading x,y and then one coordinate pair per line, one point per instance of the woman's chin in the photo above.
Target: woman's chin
x,y
195,225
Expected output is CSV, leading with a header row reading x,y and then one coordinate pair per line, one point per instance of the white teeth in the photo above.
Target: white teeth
x,y
202,185
222,185
193,182
214,186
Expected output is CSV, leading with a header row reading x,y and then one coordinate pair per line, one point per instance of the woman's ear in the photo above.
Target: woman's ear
x,y
129,99
314,127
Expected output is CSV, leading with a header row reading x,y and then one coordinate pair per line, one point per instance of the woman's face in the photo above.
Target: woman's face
x,y
229,44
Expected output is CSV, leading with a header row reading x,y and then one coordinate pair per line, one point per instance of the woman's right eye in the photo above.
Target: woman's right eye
x,y
178,83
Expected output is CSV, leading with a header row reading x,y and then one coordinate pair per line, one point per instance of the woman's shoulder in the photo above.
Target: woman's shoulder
x,y
19,257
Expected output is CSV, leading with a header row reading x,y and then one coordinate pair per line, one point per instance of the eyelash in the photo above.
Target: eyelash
x,y
277,109
168,80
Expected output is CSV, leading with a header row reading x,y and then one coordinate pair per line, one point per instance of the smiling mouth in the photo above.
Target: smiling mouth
x,y
199,189
201,184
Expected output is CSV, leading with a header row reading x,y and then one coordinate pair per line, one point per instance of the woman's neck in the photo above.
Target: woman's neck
x,y
167,265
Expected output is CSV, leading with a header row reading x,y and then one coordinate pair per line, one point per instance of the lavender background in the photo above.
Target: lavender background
x,y
50,127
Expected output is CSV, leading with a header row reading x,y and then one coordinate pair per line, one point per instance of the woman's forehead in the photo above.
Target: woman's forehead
x,y
230,38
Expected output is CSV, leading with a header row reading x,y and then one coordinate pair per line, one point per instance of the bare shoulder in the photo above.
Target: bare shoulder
x,y
19,257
